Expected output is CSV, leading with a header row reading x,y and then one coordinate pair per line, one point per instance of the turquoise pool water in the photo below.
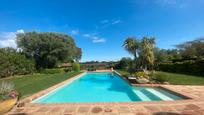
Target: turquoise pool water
x,y
104,87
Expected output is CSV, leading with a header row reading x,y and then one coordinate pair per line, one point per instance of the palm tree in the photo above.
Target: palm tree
x,y
147,53
132,46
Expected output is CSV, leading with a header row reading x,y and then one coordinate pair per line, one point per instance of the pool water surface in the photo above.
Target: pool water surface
x,y
104,87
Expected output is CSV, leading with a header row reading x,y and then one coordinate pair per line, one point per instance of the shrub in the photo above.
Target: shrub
x,y
7,90
52,71
6,87
139,74
160,77
187,67
76,66
14,63
123,63
67,69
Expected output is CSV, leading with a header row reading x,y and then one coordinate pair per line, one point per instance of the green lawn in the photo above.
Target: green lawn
x,y
178,79
30,84
181,79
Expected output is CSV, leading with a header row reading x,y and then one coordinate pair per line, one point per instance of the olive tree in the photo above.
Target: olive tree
x,y
48,48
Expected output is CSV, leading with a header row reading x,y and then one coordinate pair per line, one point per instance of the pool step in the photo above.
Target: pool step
x,y
160,95
141,95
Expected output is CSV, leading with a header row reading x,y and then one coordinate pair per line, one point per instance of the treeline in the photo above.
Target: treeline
x,y
37,51
187,58
12,63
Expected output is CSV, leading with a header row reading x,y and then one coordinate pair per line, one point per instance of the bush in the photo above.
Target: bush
x,y
139,74
194,67
76,66
14,63
52,71
123,63
6,87
67,69
160,77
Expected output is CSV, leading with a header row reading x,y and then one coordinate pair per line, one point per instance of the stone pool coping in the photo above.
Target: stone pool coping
x,y
194,94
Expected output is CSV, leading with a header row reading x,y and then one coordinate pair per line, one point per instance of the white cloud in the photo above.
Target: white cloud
x,y
116,22
74,32
8,43
8,39
94,38
107,23
99,40
20,31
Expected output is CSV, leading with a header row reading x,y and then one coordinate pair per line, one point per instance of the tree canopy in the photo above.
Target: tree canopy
x,y
142,50
192,49
14,63
131,44
48,48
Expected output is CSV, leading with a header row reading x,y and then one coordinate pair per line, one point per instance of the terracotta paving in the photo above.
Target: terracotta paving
x,y
192,106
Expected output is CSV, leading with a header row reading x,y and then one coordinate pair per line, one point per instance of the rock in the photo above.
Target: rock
x,y
166,83
142,80
96,110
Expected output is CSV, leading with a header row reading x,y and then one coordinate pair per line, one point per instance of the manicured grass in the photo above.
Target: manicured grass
x,y
30,84
177,79
181,79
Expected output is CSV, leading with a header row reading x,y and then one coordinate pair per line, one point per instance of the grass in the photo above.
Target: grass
x,y
177,79
30,84
182,79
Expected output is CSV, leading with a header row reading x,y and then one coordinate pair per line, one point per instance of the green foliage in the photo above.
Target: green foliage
x,y
140,74
194,67
132,67
146,52
142,52
160,77
123,73
6,87
52,71
187,58
183,79
131,45
48,48
163,55
76,66
14,63
192,49
123,63
67,69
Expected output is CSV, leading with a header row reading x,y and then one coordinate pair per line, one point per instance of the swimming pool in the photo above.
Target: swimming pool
x,y
104,87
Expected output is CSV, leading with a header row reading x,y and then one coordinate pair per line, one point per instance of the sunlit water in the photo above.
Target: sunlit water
x,y
104,87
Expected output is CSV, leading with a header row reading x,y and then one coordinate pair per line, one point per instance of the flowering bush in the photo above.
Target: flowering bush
x,y
7,90
13,94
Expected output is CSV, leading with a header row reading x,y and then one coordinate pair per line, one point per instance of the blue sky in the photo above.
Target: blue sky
x,y
99,27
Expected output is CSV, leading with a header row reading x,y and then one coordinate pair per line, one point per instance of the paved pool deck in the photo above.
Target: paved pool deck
x,y
192,106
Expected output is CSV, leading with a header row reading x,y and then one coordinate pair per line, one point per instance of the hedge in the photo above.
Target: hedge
x,y
193,67
52,71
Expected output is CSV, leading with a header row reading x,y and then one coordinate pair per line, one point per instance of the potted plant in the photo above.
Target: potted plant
x,y
8,96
